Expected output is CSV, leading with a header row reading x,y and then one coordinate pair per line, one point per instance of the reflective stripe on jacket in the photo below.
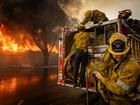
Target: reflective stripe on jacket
x,y
120,80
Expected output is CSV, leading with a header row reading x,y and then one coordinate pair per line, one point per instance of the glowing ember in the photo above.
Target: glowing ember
x,y
21,42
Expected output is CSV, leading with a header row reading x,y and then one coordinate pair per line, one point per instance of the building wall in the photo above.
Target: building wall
x,y
25,59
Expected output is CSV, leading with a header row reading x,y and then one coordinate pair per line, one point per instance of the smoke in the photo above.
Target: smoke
x,y
71,7
76,8
32,14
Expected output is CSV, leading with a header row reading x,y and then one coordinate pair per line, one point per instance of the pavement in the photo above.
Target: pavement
x,y
29,87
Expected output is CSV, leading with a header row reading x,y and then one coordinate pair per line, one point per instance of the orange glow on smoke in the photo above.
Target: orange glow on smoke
x,y
22,42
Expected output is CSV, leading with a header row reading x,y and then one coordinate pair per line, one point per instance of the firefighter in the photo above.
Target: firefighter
x,y
118,79
95,16
81,41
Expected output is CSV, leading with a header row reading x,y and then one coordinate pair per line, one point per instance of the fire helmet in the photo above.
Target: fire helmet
x,y
88,14
118,44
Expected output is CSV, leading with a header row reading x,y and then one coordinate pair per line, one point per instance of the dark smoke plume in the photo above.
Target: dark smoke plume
x,y
32,14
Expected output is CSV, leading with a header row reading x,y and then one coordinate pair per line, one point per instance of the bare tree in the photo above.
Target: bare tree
x,y
41,41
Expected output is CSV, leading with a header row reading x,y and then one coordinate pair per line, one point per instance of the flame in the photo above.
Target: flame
x,y
54,50
22,42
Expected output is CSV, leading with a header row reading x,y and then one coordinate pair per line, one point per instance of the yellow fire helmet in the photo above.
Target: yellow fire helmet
x,y
88,14
118,44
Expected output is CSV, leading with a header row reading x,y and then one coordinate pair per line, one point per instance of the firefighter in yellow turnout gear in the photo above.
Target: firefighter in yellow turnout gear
x,y
81,41
95,16
118,74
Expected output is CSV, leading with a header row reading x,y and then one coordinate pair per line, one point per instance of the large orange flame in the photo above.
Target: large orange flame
x,y
22,42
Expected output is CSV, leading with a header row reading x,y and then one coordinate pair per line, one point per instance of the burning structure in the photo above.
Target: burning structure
x,y
20,49
31,30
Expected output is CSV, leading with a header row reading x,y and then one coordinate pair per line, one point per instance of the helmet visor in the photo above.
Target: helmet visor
x,y
118,46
